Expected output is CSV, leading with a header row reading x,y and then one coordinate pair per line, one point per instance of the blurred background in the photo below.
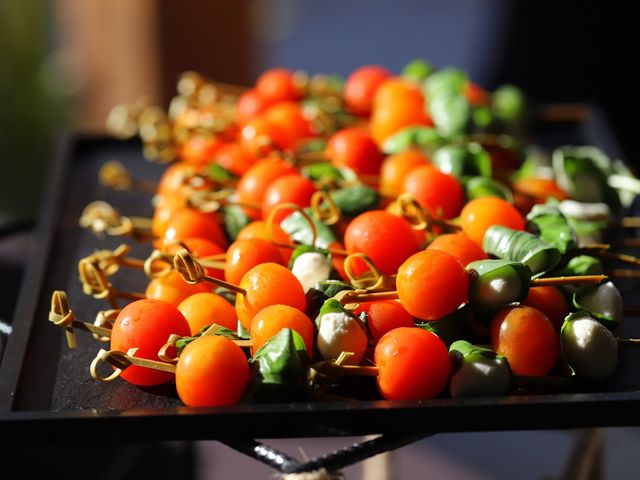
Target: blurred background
x,y
64,64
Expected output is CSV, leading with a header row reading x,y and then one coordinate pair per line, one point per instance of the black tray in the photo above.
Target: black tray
x,y
46,391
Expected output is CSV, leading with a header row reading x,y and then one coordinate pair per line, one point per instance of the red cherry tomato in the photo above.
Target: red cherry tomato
x,y
244,254
354,148
293,188
413,364
278,85
235,157
250,104
146,325
527,338
200,150
550,301
439,192
387,239
212,371
383,316
361,86
432,284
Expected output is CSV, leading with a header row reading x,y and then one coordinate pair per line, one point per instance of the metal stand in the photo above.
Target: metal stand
x,y
330,463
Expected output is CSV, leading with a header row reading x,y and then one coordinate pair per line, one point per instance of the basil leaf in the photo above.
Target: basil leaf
x,y
451,113
478,187
496,283
418,137
462,161
508,102
354,200
218,173
323,171
580,265
331,287
298,229
523,247
452,327
281,368
448,80
235,219
547,222
417,70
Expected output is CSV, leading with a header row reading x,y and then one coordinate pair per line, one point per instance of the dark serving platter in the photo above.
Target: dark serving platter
x,y
47,393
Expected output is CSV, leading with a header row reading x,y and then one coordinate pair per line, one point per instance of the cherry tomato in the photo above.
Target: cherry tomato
x,y
212,371
480,214
293,188
360,88
550,301
278,85
202,248
254,183
289,118
235,157
173,177
354,148
244,254
476,94
413,364
173,289
439,192
257,229
269,321
385,315
166,205
190,223
396,167
387,120
199,150
146,325
387,239
268,284
260,136
206,308
527,338
460,246
431,284
250,104
530,191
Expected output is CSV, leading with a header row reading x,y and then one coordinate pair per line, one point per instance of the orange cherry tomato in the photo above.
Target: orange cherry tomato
x,y
460,246
385,315
527,338
261,136
413,364
190,223
235,158
289,118
250,104
199,150
387,120
173,177
530,191
173,289
244,254
431,284
269,321
396,167
439,192
206,308
476,94
478,215
166,205
361,86
354,148
146,325
293,188
254,183
387,239
268,284
278,85
257,229
550,301
212,371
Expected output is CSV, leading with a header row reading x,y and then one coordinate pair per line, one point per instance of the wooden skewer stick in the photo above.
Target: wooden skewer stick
x,y
101,218
602,250
192,272
567,112
121,361
95,283
61,315
568,280
113,174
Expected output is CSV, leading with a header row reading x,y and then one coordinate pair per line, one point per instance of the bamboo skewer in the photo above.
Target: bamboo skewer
x,y
114,175
62,316
192,272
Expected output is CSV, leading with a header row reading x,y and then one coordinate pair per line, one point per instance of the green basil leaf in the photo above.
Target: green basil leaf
x,y
446,80
218,173
281,368
478,187
451,113
547,222
235,219
509,102
523,247
331,287
463,161
354,200
418,137
298,229
417,70
452,327
322,171
580,265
